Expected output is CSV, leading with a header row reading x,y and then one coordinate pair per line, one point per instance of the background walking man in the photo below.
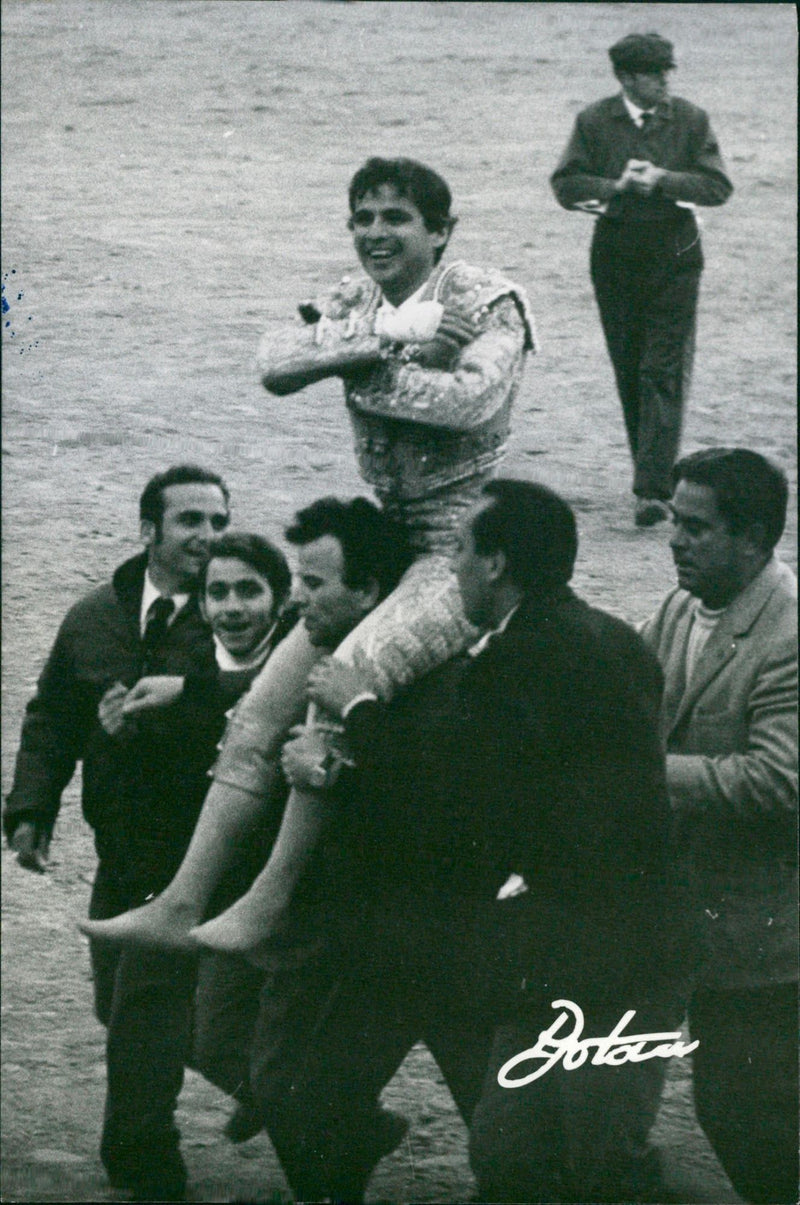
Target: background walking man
x,y
642,160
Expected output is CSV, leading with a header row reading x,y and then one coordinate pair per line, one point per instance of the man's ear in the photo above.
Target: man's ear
x,y
443,234
755,540
147,532
201,602
370,594
495,565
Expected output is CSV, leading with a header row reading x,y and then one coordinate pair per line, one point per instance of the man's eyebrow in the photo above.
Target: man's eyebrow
x,y
195,515
689,518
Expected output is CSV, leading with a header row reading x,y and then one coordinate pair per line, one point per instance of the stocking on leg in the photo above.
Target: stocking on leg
x,y
245,926
240,796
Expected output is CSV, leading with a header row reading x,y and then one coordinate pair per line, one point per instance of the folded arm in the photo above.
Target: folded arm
x,y
301,353
471,390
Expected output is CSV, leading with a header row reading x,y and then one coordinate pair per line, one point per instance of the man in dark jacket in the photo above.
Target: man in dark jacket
x,y
143,785
642,161
508,828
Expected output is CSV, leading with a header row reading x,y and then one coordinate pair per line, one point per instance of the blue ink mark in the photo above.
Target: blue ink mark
x,y
8,304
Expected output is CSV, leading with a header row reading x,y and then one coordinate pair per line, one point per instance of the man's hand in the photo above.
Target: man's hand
x,y
31,850
626,181
110,711
644,176
453,334
158,691
303,758
332,684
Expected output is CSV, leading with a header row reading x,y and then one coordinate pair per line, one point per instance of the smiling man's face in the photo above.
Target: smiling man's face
x,y
238,603
393,243
178,545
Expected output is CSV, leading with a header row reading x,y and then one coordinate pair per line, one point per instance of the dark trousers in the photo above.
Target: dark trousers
x,y
318,1075
573,1134
646,278
226,1011
145,999
746,1086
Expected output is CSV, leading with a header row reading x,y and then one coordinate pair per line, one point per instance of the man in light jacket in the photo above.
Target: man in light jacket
x,y
727,641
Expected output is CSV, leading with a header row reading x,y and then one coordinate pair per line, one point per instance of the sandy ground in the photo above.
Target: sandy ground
x,y
175,176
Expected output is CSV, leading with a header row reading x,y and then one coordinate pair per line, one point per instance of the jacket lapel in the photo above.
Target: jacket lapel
x,y
675,670
722,644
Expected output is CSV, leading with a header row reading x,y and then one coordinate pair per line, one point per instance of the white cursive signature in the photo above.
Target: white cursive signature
x,y
612,1051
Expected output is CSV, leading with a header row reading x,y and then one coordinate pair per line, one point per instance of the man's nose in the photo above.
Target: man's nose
x,y
206,531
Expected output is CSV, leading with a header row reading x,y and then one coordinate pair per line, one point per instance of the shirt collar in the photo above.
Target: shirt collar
x,y
409,301
149,595
476,649
634,110
226,661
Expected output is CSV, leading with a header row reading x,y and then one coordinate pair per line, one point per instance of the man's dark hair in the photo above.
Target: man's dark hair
x,y
535,530
259,554
374,547
413,180
151,503
750,491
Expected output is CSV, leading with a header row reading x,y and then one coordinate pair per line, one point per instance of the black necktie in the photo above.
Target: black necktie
x,y
647,121
155,628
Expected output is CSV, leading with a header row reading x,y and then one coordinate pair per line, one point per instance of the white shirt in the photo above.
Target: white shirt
x,y
387,307
226,660
704,621
476,649
149,595
636,113
414,319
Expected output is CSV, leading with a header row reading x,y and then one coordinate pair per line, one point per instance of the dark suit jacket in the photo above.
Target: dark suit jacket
x,y
541,755
605,137
141,791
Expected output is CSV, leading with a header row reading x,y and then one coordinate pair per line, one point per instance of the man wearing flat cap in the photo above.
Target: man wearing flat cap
x,y
641,161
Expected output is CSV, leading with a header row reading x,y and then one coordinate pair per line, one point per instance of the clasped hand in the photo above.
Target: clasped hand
x,y
640,176
303,755
332,684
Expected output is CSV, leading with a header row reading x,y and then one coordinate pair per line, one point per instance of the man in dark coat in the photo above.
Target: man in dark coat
x,y
642,161
508,831
144,779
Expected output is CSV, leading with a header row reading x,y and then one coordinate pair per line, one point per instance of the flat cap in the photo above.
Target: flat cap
x,y
642,52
